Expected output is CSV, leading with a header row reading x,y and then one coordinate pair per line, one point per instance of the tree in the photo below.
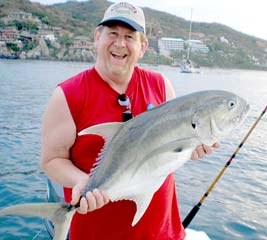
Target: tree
x,y
13,47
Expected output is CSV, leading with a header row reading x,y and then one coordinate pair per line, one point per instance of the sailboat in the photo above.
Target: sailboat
x,y
187,65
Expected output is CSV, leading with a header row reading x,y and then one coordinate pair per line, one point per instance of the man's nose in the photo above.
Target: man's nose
x,y
120,42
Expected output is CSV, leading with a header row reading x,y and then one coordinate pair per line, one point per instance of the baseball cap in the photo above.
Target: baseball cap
x,y
126,13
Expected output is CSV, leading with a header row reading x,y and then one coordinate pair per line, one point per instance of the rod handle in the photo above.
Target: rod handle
x,y
190,216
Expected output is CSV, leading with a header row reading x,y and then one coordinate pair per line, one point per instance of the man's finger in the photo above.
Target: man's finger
x,y
207,149
105,197
200,151
99,198
83,206
216,145
91,201
194,155
76,193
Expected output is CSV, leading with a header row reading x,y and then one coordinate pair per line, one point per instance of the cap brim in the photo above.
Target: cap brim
x,y
128,22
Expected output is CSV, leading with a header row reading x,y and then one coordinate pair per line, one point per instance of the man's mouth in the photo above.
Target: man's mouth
x,y
118,56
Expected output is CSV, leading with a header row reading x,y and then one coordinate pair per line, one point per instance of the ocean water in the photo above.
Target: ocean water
x,y
235,209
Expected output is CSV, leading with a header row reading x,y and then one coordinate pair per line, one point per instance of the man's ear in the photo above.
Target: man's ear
x,y
144,45
97,33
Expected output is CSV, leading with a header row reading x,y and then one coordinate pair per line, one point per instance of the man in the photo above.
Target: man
x,y
91,98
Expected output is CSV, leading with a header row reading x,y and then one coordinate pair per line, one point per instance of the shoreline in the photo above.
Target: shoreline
x,y
259,69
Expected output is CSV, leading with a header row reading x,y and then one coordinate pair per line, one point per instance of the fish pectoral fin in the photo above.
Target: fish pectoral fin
x,y
163,163
105,130
142,202
58,213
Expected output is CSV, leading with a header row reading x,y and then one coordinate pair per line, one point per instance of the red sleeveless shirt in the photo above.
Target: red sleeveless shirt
x,y
92,101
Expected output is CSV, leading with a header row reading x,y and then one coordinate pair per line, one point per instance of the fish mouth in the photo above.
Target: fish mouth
x,y
245,113
214,129
247,110
238,120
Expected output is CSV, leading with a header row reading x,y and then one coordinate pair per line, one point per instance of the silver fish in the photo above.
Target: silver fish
x,y
139,154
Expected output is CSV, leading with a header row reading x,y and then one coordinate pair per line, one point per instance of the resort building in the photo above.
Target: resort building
x,y
167,45
197,46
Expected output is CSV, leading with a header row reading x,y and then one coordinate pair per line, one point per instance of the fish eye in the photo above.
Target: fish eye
x,y
231,104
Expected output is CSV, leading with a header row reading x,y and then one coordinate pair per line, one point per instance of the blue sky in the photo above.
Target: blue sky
x,y
249,17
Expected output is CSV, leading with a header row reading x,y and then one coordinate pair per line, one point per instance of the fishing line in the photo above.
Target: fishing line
x,y
37,234
196,208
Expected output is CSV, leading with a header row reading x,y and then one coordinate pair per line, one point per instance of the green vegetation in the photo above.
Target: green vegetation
x,y
13,47
2,24
155,59
228,48
29,46
26,26
65,40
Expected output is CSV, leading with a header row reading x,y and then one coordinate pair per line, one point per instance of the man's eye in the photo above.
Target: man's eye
x,y
130,37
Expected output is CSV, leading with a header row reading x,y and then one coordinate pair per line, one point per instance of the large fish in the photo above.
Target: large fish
x,y
139,154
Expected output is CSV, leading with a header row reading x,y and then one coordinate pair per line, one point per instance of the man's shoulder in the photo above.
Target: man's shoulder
x,y
79,78
152,81
148,72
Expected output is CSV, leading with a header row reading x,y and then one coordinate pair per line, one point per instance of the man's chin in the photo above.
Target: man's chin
x,y
119,70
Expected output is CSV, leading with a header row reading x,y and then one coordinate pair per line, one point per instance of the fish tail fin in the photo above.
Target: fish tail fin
x,y
59,214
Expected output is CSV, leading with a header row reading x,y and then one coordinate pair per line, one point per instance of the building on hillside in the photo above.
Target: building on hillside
x,y
47,35
21,16
197,46
3,49
224,40
82,43
167,45
27,37
9,34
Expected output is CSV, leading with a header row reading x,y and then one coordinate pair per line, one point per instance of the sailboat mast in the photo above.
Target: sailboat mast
x,y
189,35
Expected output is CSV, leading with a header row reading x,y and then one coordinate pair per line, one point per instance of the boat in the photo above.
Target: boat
x,y
187,66
55,194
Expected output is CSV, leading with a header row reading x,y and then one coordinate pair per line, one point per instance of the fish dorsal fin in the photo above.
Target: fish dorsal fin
x,y
105,130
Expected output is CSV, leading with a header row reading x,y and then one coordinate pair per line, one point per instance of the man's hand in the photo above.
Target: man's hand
x,y
92,200
203,150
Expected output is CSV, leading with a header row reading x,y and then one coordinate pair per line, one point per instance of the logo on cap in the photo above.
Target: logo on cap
x,y
126,13
124,5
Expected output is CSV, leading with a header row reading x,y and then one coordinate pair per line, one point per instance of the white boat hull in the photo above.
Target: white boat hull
x,y
195,235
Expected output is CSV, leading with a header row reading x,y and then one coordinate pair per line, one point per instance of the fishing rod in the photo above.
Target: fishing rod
x,y
196,208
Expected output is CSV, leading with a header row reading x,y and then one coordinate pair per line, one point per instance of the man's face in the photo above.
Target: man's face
x,y
118,49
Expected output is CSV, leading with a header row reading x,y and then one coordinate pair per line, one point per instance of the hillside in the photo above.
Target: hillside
x,y
228,48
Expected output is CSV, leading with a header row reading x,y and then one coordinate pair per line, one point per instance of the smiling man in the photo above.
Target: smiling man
x,y
120,42
112,91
